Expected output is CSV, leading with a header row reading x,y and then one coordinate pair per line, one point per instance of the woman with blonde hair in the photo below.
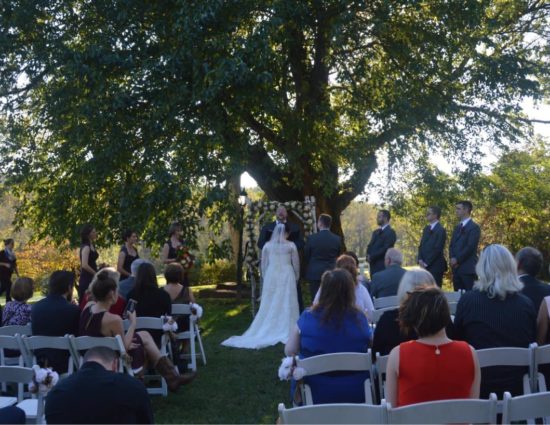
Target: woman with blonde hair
x,y
388,334
496,314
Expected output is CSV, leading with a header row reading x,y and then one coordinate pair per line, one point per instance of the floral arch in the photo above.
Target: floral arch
x,y
257,214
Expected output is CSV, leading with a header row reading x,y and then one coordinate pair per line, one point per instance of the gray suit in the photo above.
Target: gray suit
x,y
386,282
320,255
431,251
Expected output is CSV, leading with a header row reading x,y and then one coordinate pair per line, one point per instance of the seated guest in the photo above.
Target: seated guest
x,y
334,325
152,301
388,333
433,367
98,322
55,315
18,312
12,415
386,282
179,294
116,308
496,314
360,276
97,394
363,301
529,261
126,285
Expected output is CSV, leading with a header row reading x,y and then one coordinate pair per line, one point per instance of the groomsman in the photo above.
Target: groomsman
x,y
382,239
463,248
432,244
320,253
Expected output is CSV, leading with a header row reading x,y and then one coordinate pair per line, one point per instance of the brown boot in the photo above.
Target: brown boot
x,y
169,372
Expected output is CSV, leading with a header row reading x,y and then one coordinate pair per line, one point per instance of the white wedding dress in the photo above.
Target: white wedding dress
x,y
278,311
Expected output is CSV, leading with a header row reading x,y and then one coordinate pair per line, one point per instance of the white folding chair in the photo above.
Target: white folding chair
x,y
335,362
541,357
8,342
526,408
16,329
452,309
40,342
193,334
380,367
343,413
509,356
83,343
453,297
33,407
377,314
446,412
384,302
153,323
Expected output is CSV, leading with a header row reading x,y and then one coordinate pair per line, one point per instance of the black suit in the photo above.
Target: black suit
x,y
380,242
295,236
534,289
320,255
386,282
54,316
431,249
94,395
463,248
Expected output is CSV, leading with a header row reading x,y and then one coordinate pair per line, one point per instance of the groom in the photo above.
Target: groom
x,y
295,236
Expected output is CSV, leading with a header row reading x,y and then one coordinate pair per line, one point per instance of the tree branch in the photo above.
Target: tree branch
x,y
498,115
265,132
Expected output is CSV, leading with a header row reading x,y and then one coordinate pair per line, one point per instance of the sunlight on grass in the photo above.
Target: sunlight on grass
x,y
236,311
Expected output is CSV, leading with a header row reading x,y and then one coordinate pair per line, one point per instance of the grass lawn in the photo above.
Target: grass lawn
x,y
237,385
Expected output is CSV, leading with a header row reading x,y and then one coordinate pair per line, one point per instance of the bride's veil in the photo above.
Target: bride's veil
x,y
278,237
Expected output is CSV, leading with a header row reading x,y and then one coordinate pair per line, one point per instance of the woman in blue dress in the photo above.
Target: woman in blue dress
x,y
334,325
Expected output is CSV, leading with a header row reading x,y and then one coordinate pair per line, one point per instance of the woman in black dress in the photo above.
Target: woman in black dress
x,y
88,259
8,265
169,250
128,254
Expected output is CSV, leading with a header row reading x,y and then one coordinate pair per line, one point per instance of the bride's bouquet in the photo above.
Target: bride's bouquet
x,y
185,258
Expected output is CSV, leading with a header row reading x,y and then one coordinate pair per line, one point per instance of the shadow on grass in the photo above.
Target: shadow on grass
x,y
237,385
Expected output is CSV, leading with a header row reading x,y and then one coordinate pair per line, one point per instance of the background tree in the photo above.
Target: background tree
x,y
115,110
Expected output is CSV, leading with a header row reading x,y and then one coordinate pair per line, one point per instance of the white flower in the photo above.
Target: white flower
x,y
170,325
198,311
285,369
298,373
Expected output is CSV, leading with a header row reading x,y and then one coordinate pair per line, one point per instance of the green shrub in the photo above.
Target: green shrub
x,y
218,272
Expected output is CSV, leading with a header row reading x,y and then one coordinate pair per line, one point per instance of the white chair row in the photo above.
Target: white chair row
x,y
393,301
22,376
435,412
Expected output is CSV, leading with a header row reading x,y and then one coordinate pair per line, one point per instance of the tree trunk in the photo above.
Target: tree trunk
x,y
234,183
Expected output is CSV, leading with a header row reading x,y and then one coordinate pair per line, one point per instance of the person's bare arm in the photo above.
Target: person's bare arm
x,y
164,255
392,377
292,346
84,261
542,323
474,392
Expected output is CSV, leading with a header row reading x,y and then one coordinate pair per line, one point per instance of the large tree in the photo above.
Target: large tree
x,y
114,109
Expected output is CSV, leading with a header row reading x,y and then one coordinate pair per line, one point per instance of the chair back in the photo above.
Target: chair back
x,y
193,334
383,302
380,367
510,356
453,297
83,343
337,362
17,375
541,356
377,314
39,342
181,309
16,329
343,413
446,412
11,343
526,408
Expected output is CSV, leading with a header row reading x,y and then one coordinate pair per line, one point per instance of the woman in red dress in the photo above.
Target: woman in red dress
x,y
433,367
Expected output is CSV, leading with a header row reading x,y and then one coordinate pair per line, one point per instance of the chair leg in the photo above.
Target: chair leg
x,y
198,333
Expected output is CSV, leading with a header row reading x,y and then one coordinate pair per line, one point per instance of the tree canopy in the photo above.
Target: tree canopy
x,y
115,110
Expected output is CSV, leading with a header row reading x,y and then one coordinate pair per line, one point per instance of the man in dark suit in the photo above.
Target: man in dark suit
x,y
97,394
320,253
386,282
295,236
56,316
432,244
529,261
382,239
463,248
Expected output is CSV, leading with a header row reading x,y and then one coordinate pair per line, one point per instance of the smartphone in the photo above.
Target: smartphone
x,y
130,307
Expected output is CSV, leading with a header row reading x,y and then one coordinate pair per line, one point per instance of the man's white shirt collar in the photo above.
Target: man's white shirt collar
x,y
432,225
384,226
465,221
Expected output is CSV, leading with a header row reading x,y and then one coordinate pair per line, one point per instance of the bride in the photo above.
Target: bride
x,y
278,312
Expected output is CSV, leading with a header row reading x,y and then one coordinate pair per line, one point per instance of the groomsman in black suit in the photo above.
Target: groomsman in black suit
x,y
320,253
295,236
382,239
463,248
432,244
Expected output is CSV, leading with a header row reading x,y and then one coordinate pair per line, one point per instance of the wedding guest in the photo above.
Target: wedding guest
x,y
179,294
388,334
169,253
385,282
12,415
334,325
118,307
529,261
360,276
433,367
98,322
8,266
152,301
381,240
432,244
18,312
363,301
496,314
97,394
88,258
128,253
55,315
126,285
